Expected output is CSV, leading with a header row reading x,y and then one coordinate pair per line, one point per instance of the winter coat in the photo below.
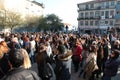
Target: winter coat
x,y
111,67
21,74
4,65
63,66
42,60
91,64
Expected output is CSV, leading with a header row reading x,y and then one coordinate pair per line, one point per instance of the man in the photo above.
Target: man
x,y
17,72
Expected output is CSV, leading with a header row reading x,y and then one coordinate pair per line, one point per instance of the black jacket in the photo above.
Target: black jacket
x,y
4,66
21,74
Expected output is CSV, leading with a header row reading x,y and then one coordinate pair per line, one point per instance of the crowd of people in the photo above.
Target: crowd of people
x,y
54,53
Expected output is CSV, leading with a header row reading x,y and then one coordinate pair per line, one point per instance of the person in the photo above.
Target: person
x,y
111,65
32,49
27,62
85,54
4,65
14,43
77,54
17,71
91,63
45,70
63,62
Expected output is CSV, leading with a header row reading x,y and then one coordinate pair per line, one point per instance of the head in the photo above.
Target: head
x,y
3,48
115,54
27,62
93,48
117,42
41,48
16,58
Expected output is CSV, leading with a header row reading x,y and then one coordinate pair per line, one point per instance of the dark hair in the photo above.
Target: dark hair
x,y
93,48
16,58
116,52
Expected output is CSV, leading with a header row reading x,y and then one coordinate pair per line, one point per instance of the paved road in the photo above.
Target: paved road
x,y
75,75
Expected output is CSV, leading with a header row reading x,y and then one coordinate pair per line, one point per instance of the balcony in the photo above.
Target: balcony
x,y
84,9
80,18
112,7
97,17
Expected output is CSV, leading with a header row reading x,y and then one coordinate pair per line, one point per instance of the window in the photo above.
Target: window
x,y
86,14
118,2
106,14
96,23
106,22
81,23
91,5
97,14
107,4
102,13
112,3
111,22
102,5
112,13
81,14
91,14
102,22
91,23
86,23
87,6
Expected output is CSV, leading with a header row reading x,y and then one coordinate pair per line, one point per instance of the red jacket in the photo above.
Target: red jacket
x,y
78,51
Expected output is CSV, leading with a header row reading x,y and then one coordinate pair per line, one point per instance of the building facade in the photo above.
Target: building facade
x,y
117,16
23,7
96,15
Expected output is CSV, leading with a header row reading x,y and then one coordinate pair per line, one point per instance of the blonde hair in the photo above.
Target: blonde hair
x,y
27,62
1,53
3,48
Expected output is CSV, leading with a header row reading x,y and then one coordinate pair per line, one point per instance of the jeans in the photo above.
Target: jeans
x,y
32,56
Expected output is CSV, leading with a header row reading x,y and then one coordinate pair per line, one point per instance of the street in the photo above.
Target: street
x,y
74,76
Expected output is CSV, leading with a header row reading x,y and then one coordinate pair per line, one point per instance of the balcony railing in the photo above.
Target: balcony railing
x,y
84,9
89,18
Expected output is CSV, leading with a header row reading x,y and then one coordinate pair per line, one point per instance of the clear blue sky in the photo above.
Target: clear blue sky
x,y
64,9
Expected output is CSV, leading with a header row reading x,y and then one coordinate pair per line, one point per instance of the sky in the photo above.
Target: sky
x,y
64,9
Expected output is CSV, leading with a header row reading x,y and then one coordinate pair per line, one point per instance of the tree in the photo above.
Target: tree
x,y
55,22
50,22
32,22
10,19
42,24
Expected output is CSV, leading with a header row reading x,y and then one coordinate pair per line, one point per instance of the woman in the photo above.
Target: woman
x,y
63,62
111,65
27,62
91,63
44,68
4,65
77,54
